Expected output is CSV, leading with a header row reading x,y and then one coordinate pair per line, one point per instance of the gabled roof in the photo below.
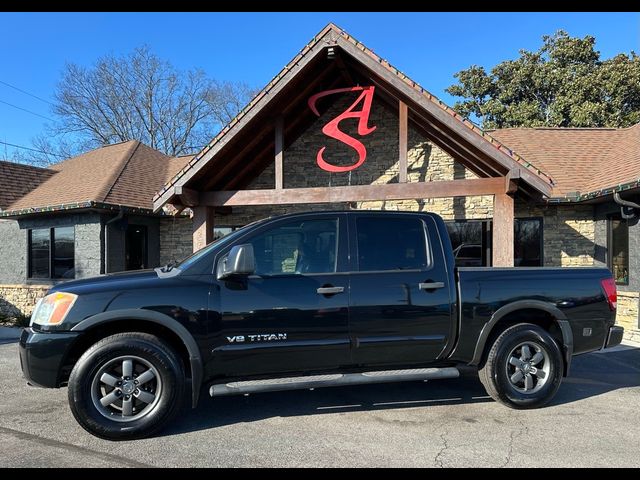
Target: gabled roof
x,y
123,174
16,180
584,162
470,138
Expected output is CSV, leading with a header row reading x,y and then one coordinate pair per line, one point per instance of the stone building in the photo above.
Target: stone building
x,y
523,197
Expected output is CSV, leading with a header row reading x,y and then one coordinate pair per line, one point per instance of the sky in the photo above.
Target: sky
x,y
253,47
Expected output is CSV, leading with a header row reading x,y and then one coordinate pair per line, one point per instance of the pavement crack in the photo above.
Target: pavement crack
x,y
512,437
437,461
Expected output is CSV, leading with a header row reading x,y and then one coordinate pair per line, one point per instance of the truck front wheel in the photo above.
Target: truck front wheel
x,y
125,386
523,368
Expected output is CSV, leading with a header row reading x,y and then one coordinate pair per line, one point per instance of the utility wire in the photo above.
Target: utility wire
x,y
25,92
28,111
32,149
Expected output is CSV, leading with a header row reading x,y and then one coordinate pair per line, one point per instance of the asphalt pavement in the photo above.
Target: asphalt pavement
x,y
592,422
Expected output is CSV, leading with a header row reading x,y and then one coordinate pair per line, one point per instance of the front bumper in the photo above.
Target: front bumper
x,y
42,354
614,337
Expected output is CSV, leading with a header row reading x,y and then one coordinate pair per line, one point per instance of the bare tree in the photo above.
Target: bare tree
x,y
138,97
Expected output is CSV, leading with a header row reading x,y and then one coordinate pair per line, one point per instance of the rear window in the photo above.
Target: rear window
x,y
391,244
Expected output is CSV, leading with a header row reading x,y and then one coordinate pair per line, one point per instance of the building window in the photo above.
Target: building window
x,y
219,232
470,242
618,243
527,241
51,253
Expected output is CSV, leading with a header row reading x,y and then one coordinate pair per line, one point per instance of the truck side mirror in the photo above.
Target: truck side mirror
x,y
240,261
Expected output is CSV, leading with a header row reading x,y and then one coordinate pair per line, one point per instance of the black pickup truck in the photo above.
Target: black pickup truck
x,y
310,300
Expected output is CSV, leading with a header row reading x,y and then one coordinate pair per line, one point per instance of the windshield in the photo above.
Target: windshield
x,y
193,258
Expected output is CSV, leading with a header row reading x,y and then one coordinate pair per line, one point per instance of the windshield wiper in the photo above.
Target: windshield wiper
x,y
169,266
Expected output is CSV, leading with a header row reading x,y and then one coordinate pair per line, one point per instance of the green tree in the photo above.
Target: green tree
x,y
563,84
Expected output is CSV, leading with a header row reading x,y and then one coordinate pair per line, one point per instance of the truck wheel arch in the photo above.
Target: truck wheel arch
x,y
151,316
558,316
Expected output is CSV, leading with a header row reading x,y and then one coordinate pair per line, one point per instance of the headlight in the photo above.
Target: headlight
x,y
52,309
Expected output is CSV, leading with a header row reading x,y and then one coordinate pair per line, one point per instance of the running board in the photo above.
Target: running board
x,y
335,380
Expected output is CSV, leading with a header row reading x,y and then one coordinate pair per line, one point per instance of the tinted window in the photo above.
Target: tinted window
x,y
39,249
307,246
63,252
468,242
391,244
619,250
528,242
51,252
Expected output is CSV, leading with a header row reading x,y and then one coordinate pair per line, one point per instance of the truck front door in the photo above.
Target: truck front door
x,y
400,306
292,315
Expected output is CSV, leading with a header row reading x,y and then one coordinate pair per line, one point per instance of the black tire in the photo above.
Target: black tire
x,y
169,386
496,370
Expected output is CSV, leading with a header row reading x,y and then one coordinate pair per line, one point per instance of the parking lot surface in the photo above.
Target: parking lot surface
x,y
593,421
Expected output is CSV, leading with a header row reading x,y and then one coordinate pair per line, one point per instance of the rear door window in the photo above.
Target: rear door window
x,y
391,244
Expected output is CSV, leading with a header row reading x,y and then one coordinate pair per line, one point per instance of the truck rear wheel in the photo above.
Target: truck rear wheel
x,y
523,368
126,386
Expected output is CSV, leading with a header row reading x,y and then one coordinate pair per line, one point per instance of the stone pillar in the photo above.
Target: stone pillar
x,y
502,244
202,227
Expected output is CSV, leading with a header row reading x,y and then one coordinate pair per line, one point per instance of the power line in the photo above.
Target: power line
x,y
26,93
28,111
32,149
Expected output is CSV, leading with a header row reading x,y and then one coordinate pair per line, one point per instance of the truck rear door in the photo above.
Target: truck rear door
x,y
399,311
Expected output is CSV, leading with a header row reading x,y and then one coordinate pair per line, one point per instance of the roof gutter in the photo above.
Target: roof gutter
x,y
628,210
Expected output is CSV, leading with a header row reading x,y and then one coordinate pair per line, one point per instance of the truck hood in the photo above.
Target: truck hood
x,y
111,281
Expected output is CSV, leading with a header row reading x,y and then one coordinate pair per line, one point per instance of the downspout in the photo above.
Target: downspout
x,y
626,207
106,238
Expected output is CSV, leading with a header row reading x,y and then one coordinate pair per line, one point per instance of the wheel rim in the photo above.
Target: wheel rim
x,y
126,388
528,367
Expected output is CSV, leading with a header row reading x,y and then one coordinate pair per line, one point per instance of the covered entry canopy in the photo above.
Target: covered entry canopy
x,y
334,62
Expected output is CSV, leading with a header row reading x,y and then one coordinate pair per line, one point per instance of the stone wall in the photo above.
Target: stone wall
x,y
568,233
628,314
176,240
19,300
13,253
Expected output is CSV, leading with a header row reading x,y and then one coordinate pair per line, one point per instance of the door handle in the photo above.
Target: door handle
x,y
330,290
430,285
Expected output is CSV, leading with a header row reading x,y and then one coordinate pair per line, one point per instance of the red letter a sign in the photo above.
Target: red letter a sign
x,y
332,128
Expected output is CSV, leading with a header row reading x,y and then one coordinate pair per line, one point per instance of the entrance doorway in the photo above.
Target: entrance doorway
x,y
136,247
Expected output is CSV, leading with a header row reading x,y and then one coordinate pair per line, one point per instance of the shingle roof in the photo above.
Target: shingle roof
x,y
124,174
584,160
16,180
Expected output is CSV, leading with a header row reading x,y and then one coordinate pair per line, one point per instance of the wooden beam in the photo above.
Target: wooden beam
x,y
503,230
355,193
512,179
279,153
202,226
188,197
403,132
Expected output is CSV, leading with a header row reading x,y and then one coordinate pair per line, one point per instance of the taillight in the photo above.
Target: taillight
x,y
609,287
